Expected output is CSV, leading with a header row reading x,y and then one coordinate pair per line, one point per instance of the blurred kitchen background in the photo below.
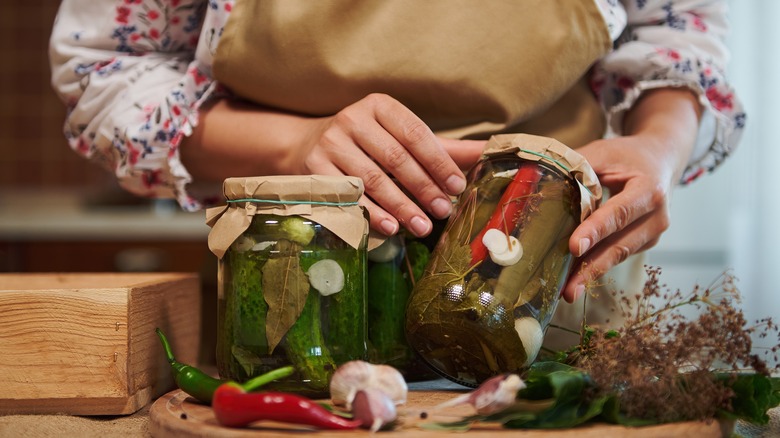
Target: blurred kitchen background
x,y
61,213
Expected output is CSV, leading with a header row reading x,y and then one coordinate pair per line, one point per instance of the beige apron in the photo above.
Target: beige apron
x,y
468,69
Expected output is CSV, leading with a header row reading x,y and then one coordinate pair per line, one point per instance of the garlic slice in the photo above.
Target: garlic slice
x,y
504,250
326,276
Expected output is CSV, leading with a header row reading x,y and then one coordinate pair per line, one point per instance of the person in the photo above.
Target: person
x,y
174,96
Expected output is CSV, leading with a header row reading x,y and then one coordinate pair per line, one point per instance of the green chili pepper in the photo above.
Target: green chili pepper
x,y
189,379
202,386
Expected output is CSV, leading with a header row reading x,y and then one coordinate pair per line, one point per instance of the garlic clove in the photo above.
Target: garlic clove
x,y
373,408
531,335
493,395
242,244
496,394
387,251
326,276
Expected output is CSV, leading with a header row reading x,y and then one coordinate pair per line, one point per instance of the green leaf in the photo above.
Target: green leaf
x,y
418,256
611,414
537,380
572,406
754,395
285,288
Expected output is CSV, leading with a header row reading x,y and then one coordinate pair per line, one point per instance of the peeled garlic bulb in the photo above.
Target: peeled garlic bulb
x,y
357,375
531,335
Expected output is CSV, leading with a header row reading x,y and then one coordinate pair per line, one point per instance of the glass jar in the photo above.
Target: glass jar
x,y
495,276
291,279
393,269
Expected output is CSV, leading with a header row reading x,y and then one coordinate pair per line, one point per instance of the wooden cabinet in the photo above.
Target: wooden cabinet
x,y
105,256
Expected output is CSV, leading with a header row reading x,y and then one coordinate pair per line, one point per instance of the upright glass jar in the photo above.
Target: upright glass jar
x,y
291,278
393,269
495,276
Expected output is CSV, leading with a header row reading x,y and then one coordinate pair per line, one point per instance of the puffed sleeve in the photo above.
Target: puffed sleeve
x,y
677,43
133,76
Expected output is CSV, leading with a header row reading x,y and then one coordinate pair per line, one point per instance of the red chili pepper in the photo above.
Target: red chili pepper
x,y
233,407
510,205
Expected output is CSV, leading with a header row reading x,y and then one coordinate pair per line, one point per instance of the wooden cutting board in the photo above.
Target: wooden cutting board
x,y
177,415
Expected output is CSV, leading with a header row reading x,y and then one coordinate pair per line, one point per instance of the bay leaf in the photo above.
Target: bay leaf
x,y
285,288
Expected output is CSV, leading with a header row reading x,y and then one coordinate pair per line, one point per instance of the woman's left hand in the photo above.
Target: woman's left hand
x,y
639,171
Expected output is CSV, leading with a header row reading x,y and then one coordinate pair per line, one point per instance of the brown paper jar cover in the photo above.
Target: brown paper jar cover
x,y
330,201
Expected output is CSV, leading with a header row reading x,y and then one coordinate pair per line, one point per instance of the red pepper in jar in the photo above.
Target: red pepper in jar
x,y
509,207
233,407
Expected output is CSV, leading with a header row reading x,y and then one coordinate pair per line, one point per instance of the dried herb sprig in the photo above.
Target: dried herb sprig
x,y
665,366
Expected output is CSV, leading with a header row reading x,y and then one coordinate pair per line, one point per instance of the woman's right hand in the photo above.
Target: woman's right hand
x,y
376,139
382,142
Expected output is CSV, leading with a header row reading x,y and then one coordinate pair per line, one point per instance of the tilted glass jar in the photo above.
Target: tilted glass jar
x,y
494,279
291,279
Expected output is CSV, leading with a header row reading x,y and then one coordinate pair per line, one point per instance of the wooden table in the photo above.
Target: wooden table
x,y
140,425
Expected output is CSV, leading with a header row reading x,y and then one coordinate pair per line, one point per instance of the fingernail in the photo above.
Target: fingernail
x,y
584,246
388,227
441,207
420,227
455,184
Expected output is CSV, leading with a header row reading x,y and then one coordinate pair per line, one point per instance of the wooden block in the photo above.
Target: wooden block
x,y
85,344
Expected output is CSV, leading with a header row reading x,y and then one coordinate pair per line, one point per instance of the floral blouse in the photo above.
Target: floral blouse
x,y
134,73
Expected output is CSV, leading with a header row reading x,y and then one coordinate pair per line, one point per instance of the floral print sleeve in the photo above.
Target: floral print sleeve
x,y
673,43
133,74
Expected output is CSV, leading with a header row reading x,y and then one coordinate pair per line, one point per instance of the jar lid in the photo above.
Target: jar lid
x,y
280,189
331,201
551,151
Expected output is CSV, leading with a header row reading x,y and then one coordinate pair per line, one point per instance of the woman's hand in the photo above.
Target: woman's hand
x,y
639,171
406,169
384,143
